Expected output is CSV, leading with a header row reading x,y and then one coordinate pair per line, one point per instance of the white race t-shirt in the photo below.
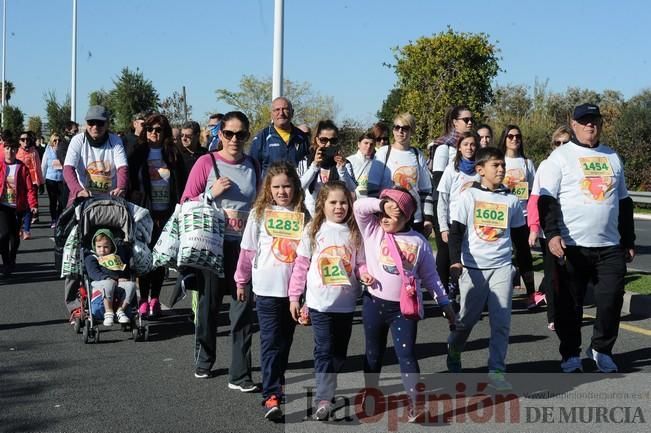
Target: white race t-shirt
x,y
453,182
275,255
96,167
9,194
159,177
488,217
588,184
332,285
519,178
361,169
405,168
443,156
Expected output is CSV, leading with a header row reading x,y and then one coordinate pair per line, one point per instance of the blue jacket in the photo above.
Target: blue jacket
x,y
268,147
49,172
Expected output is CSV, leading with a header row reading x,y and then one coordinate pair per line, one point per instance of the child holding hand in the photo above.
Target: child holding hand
x,y
385,222
330,259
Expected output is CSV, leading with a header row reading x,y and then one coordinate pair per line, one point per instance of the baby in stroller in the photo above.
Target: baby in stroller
x,y
107,267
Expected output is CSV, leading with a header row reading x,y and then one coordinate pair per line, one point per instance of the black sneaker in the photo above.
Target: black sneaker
x,y
246,386
202,373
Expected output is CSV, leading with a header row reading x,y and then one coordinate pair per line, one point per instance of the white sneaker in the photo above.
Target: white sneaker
x,y
108,319
122,317
572,365
605,363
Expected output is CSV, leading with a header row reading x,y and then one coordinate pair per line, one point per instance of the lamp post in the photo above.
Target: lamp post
x,y
73,86
277,82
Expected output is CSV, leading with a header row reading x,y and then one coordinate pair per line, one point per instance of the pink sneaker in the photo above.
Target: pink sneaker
x,y
154,307
536,299
143,308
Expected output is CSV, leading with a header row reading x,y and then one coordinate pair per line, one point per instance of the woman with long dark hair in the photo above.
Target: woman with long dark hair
x,y
157,177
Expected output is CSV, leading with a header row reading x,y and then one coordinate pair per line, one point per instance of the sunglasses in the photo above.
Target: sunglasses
x,y
595,120
382,139
98,123
466,120
22,139
560,142
326,140
514,136
189,137
403,128
156,129
55,141
240,135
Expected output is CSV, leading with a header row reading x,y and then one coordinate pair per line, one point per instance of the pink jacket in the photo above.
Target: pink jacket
x,y
533,218
33,163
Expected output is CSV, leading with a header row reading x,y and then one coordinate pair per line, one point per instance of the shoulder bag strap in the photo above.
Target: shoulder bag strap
x,y
395,255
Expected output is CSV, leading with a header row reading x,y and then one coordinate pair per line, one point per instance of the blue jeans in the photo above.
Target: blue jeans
x,y
380,316
276,336
331,336
27,220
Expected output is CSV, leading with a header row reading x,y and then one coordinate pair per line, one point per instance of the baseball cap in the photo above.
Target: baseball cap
x,y
586,110
97,112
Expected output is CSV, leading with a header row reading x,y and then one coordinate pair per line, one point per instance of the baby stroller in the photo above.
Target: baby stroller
x,y
113,214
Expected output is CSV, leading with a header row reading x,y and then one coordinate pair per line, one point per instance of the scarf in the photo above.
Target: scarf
x,y
467,166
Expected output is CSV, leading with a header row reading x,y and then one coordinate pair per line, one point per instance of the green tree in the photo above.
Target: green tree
x,y
132,94
9,90
445,69
35,124
632,140
173,107
254,99
390,106
13,119
58,114
349,132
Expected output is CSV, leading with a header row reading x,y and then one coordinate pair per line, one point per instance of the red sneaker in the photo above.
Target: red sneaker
x,y
143,308
536,299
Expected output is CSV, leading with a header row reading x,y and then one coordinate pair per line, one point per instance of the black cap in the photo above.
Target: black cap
x,y
584,110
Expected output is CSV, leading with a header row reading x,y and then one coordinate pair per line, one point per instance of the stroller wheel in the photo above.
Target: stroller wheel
x,y
86,332
146,333
96,339
77,327
135,334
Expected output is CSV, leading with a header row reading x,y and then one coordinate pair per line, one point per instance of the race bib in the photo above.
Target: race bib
x,y
595,166
489,214
160,195
362,184
99,183
521,190
112,262
56,164
235,222
333,272
284,224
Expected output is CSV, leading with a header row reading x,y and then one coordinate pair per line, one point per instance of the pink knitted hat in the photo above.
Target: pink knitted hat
x,y
404,200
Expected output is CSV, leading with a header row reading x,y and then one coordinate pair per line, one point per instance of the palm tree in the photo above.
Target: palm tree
x,y
9,90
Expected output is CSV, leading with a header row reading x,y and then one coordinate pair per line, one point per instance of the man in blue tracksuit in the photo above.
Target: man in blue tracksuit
x,y
280,141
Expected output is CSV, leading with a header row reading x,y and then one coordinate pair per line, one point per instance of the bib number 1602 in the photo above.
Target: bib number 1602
x,y
490,214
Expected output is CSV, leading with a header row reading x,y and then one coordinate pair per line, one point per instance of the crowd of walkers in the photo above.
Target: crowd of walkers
x,y
310,231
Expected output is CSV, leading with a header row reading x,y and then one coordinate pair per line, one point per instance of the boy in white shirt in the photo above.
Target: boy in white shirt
x,y
487,221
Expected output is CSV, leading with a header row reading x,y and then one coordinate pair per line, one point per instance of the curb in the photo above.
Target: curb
x,y
637,304
642,216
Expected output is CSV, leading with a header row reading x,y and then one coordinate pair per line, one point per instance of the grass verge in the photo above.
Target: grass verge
x,y
638,282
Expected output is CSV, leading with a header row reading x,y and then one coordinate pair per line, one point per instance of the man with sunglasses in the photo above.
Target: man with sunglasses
x,y
280,141
587,216
96,163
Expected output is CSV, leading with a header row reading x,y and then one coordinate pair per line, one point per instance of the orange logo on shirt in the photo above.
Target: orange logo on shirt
x,y
406,177
284,249
597,188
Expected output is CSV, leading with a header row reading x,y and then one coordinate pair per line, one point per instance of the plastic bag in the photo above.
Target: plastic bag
x,y
166,249
201,228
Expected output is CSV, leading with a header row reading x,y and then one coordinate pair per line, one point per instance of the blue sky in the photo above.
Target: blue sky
x,y
336,45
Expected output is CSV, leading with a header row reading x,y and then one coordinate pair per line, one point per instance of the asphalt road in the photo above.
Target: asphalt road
x,y
51,382
643,245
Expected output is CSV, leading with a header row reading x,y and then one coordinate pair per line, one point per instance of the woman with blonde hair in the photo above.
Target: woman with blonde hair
x,y
52,170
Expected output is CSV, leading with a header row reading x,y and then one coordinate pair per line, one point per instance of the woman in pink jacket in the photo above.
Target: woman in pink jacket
x,y
28,155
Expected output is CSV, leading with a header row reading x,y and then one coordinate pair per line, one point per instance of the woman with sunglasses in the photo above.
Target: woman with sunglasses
x,y
324,163
231,179
53,172
157,177
401,164
519,176
442,152
560,136
380,133
28,155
